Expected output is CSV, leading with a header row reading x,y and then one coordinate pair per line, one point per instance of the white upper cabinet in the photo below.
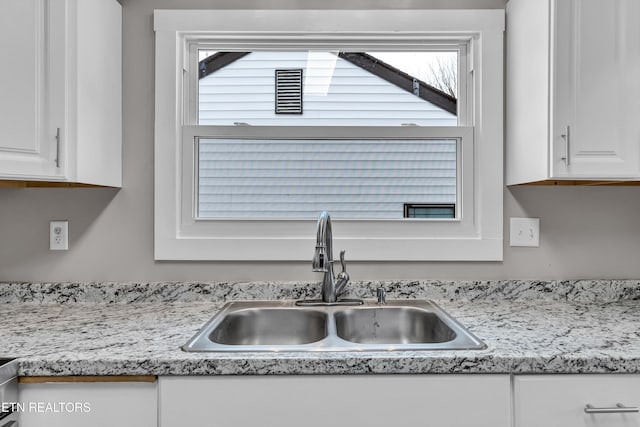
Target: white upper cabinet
x,y
61,84
572,90
27,145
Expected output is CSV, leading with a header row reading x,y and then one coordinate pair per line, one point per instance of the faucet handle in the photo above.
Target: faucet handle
x,y
342,263
343,277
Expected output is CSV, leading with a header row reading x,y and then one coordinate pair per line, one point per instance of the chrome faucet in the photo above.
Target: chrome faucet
x,y
323,261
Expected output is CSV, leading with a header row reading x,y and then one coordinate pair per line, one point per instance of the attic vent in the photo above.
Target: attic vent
x,y
289,91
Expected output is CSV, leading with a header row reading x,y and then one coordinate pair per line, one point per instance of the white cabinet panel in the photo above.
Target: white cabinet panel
x,y
597,89
559,400
125,404
61,84
527,94
27,148
320,401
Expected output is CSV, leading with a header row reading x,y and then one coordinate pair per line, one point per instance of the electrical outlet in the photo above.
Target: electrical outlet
x,y
525,232
59,235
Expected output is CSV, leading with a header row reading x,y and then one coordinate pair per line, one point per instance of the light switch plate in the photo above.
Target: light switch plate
x,y
524,232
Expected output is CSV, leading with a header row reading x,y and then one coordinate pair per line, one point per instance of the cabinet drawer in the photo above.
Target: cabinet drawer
x,y
560,400
84,404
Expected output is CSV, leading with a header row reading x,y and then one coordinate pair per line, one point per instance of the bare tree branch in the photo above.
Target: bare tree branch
x,y
444,75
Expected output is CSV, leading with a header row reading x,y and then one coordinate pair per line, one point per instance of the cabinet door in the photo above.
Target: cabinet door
x,y
125,404
320,401
28,145
596,119
560,400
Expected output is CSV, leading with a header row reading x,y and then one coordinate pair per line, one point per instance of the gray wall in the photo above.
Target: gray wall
x,y
586,232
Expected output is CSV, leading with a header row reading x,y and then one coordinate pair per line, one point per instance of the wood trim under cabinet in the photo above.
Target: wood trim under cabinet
x,y
551,182
6,183
90,379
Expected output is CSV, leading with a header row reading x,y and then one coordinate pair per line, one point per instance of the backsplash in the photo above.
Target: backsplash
x,y
579,291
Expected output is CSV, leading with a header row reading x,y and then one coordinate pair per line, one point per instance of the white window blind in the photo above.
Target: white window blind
x,y
270,178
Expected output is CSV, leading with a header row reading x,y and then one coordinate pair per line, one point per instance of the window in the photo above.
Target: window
x,y
351,178
298,178
341,88
262,121
412,210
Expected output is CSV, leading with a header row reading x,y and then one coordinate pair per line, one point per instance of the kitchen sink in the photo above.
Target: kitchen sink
x,y
259,326
270,326
392,325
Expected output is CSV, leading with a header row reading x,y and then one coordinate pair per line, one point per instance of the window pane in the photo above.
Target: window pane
x,y
441,210
337,88
254,178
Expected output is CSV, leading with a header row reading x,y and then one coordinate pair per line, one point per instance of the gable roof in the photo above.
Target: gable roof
x,y
367,62
216,61
402,80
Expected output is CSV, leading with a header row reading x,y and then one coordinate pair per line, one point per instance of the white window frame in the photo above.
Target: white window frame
x,y
475,235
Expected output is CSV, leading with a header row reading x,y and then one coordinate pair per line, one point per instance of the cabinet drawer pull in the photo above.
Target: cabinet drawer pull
x,y
618,409
567,138
58,147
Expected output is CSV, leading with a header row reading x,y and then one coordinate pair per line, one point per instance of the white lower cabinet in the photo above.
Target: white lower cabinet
x,y
95,404
560,400
341,401
456,400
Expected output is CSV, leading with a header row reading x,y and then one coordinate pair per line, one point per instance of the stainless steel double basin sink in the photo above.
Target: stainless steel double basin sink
x,y
279,326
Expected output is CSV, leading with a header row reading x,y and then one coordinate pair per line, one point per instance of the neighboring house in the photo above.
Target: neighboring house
x,y
349,89
351,179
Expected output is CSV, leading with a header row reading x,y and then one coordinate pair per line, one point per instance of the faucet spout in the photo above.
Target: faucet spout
x,y
324,250
323,260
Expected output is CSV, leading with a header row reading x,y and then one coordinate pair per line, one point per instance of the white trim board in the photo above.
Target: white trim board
x,y
481,175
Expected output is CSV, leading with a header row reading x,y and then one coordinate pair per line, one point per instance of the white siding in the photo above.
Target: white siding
x,y
335,92
300,178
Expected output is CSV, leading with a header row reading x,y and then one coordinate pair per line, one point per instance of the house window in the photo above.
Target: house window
x,y
351,178
413,210
238,180
288,91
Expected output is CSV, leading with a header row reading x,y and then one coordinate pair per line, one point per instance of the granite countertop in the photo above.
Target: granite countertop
x,y
138,328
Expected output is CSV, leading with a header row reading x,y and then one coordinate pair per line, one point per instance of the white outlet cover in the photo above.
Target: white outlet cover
x,y
59,235
524,232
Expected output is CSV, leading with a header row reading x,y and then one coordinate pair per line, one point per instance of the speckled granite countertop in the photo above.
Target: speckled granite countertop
x,y
138,328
